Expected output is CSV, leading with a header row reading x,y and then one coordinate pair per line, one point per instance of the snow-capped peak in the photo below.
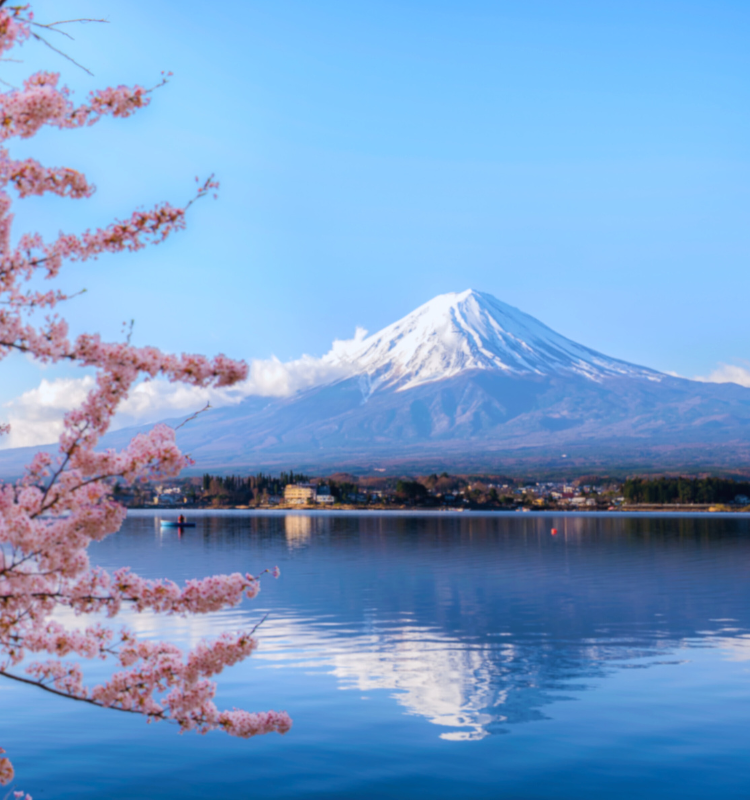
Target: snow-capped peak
x,y
465,331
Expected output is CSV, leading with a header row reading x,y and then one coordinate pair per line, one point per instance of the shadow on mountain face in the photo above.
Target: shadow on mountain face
x,y
466,380
476,420
479,419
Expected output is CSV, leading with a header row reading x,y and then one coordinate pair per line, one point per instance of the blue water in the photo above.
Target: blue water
x,y
440,656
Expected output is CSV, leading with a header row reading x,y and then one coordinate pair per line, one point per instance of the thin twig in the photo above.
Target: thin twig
x,y
60,52
192,417
250,633
50,26
82,20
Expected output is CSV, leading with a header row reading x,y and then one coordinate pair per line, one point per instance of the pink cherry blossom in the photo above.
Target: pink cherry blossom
x,y
6,770
49,517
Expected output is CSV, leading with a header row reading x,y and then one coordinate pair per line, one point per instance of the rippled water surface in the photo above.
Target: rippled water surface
x,y
436,656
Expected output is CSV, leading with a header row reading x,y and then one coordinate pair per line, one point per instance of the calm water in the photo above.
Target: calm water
x,y
437,656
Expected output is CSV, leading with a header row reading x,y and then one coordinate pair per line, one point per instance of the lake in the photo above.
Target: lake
x,y
439,656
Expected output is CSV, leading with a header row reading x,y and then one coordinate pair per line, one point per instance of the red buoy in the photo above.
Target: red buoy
x,y
554,531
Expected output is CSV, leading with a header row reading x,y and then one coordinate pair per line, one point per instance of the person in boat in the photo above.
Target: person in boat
x,y
181,519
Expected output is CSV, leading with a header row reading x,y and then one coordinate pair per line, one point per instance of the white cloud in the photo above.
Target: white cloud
x,y
342,349
728,373
274,378
36,415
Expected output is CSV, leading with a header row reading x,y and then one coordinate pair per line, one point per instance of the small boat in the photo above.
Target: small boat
x,y
169,523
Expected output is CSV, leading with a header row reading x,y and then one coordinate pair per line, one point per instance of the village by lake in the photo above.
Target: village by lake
x,y
490,493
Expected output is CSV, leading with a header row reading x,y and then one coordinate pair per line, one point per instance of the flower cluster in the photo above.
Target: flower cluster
x,y
49,517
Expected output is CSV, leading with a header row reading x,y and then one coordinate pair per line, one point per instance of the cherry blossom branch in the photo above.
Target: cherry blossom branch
x,y
237,723
45,688
51,515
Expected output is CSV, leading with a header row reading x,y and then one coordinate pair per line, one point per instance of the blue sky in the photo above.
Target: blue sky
x,y
587,162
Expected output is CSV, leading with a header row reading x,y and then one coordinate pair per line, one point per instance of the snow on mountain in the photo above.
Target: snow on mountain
x,y
469,330
489,387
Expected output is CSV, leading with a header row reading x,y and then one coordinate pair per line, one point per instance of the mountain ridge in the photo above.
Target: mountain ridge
x,y
455,332
466,379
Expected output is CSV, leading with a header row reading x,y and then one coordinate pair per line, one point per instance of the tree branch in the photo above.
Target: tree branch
x,y
61,53
88,700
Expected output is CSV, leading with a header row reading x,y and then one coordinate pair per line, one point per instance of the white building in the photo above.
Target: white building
x,y
324,495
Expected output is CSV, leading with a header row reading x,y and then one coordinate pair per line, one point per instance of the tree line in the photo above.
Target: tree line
x,y
683,490
239,491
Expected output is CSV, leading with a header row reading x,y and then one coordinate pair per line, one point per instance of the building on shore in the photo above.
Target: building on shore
x,y
303,493
167,500
299,493
324,495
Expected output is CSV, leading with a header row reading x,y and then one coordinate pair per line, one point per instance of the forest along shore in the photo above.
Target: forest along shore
x,y
347,492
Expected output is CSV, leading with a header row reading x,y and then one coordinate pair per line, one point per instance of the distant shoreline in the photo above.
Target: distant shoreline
x,y
628,509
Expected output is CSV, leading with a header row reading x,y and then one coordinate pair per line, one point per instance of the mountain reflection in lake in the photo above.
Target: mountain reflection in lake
x,y
613,656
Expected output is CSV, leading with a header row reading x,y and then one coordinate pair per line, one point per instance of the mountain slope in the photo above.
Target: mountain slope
x,y
479,418
472,330
468,380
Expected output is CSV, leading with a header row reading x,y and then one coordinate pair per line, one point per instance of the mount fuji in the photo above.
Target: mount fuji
x,y
467,382
457,333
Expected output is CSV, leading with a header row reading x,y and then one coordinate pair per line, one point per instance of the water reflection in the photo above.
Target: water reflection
x,y
473,624
298,530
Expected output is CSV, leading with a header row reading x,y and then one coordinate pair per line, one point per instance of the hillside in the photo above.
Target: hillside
x,y
468,381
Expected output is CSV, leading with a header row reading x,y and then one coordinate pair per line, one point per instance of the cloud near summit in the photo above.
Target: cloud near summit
x,y
36,416
728,373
